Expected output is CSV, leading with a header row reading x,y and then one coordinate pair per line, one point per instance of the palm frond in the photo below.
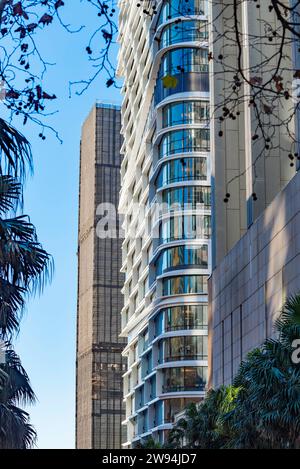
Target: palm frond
x,y
17,389
10,193
23,261
15,151
15,429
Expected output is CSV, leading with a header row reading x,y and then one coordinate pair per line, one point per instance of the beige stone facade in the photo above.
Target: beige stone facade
x,y
240,166
249,286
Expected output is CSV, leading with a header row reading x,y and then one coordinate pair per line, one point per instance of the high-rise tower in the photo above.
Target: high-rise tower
x,y
99,406
166,175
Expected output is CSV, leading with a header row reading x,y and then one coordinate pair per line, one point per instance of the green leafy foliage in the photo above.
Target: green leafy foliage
x,y
24,268
261,410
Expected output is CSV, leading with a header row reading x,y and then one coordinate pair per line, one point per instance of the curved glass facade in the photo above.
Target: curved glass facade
x,y
174,406
179,227
188,197
183,169
175,8
185,348
184,82
186,59
184,141
185,112
185,31
184,379
185,317
182,70
185,284
179,257
165,352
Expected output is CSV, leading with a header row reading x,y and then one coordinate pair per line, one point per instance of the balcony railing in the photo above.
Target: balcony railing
x,y
184,33
172,180
186,388
204,234
182,357
186,327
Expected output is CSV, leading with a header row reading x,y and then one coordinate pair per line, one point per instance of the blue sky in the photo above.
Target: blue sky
x,y
47,339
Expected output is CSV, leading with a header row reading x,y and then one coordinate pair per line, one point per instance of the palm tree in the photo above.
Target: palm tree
x,y
262,408
267,410
24,268
24,265
15,152
15,430
202,425
149,443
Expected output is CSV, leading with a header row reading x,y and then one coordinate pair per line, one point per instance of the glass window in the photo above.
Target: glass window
x,y
185,31
175,8
185,227
184,60
184,169
185,284
186,112
185,379
182,196
180,256
186,317
182,70
173,406
186,348
184,141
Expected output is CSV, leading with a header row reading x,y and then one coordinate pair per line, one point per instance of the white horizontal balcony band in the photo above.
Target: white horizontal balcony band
x,y
183,272
180,333
158,30
132,416
177,156
192,183
129,394
126,444
142,409
133,291
139,385
184,96
186,394
142,435
147,350
165,216
161,132
162,426
181,364
179,242
185,299
189,301
128,372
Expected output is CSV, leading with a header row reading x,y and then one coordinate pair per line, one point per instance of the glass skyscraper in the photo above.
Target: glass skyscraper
x,y
167,251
